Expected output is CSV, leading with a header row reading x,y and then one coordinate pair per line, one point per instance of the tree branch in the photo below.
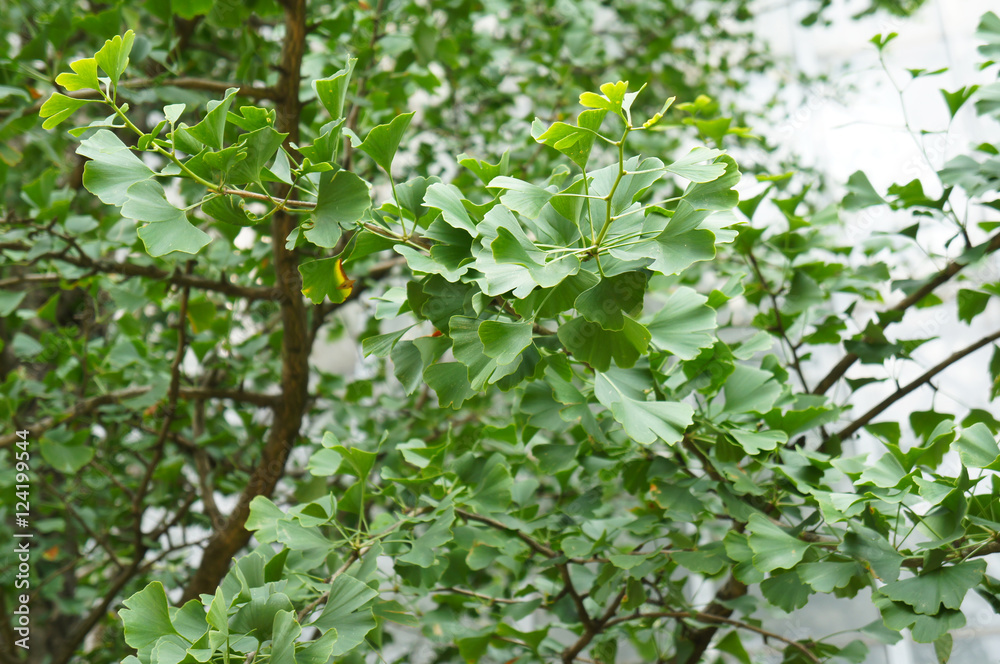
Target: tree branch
x,y
778,321
925,377
291,407
953,268
88,406
701,616
79,409
151,272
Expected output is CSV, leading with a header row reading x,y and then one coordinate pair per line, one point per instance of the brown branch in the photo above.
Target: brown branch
x,y
169,414
707,617
132,270
354,555
720,609
532,543
79,409
291,407
592,629
971,551
925,377
953,268
485,598
30,279
778,321
88,406
256,398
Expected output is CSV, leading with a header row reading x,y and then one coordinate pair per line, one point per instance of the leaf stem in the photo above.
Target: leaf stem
x,y
621,172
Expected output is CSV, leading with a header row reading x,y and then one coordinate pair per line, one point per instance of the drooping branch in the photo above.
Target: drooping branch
x,y
923,379
953,268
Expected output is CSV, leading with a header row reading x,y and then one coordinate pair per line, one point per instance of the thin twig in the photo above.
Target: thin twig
x,y
707,617
953,268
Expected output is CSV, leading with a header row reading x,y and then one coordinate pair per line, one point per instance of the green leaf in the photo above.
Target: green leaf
x,y
873,549
690,167
332,91
450,381
860,193
624,394
605,303
422,551
988,31
63,453
614,96
590,343
750,390
285,631
680,244
113,168
218,611
924,628
347,595
260,146
684,325
325,278
188,9
113,56
189,620
256,618
773,548
146,616
509,261
448,199
492,487
383,141
945,586
786,591
884,473
321,650
522,197
825,577
58,107
230,209
343,199
755,442
717,194
393,611
957,99
977,447
382,344
574,142
971,303
470,349
504,341
211,129
84,76
942,648
168,229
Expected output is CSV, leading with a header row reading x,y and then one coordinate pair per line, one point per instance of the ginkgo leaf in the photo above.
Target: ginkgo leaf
x,y
325,278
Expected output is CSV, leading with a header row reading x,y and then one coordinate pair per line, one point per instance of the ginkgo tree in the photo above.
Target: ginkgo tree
x,y
565,417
